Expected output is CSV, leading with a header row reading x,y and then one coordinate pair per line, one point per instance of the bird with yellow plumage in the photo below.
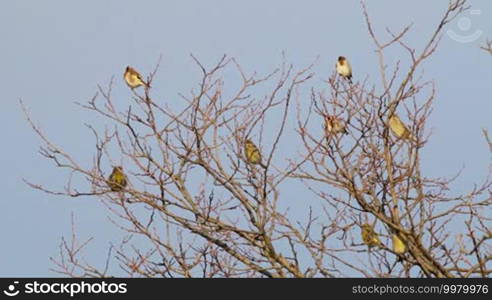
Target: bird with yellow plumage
x,y
132,78
344,68
369,236
117,180
399,246
399,129
252,153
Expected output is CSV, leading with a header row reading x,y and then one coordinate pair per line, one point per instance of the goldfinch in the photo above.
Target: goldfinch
x,y
398,245
369,236
117,180
252,153
344,69
398,128
132,78
333,125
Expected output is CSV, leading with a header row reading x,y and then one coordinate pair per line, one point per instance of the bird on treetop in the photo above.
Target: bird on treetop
x,y
132,78
344,69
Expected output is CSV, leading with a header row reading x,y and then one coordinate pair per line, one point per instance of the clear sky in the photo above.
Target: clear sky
x,y
54,53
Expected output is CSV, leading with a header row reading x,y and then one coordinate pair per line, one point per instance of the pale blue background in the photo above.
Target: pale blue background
x,y
53,53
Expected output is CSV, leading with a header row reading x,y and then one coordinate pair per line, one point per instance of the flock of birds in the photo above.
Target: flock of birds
x,y
117,180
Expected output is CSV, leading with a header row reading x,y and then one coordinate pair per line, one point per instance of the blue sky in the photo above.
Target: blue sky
x,y
54,53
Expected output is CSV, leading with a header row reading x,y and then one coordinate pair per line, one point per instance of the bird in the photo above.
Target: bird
x,y
399,128
369,236
252,153
132,78
398,245
344,69
117,180
333,125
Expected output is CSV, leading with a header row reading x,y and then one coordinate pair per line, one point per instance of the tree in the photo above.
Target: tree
x,y
206,209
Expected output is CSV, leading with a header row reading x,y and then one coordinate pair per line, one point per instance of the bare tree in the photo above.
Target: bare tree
x,y
205,209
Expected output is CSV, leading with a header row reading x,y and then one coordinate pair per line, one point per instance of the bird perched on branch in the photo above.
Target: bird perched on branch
x,y
334,125
117,180
132,78
252,153
369,236
344,69
398,245
399,128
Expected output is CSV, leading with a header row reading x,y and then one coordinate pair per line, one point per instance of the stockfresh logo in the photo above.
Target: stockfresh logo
x,y
465,34
11,290
68,288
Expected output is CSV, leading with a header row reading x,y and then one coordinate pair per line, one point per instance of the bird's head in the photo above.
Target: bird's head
x,y
341,59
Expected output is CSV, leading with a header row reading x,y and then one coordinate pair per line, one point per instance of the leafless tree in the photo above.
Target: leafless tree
x,y
203,211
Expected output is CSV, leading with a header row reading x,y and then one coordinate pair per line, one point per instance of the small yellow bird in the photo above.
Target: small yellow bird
x,y
333,125
117,180
369,236
344,69
252,153
132,78
398,245
399,128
